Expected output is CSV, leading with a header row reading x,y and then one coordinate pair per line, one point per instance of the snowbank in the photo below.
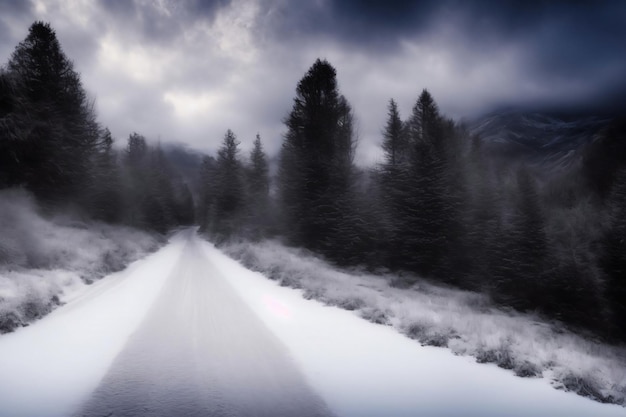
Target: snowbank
x,y
465,322
50,368
44,260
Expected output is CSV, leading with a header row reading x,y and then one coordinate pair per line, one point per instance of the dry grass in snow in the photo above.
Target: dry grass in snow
x,y
465,322
44,259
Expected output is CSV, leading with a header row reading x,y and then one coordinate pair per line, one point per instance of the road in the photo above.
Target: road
x,y
188,332
201,351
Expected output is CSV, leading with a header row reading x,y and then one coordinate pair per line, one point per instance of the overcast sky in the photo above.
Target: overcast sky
x,y
188,70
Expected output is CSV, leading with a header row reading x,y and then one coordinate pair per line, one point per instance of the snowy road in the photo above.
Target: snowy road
x,y
202,352
189,332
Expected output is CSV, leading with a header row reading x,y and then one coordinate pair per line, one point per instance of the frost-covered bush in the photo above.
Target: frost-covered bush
x,y
468,323
43,258
585,385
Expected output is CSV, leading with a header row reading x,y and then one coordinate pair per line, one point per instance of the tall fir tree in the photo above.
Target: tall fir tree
x,y
522,269
395,139
258,182
13,136
316,168
206,203
56,123
483,217
106,188
229,190
395,186
160,205
136,190
428,211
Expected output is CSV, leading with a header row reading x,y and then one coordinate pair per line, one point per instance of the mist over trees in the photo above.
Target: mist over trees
x,y
49,128
259,207
438,206
316,171
234,196
52,145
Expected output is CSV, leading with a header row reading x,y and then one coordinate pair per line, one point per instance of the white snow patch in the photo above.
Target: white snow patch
x,y
44,259
359,365
49,369
359,369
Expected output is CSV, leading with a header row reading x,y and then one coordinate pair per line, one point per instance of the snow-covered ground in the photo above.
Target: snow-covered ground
x,y
51,367
134,334
201,351
43,260
465,322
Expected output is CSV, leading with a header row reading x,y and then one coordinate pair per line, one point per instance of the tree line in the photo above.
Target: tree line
x,y
52,144
438,206
234,198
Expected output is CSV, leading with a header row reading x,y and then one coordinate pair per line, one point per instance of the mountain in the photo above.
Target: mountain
x,y
540,138
185,161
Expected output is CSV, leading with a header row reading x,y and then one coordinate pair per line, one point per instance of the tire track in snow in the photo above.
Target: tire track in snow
x,y
50,367
201,351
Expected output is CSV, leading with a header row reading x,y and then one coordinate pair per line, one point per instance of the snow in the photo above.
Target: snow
x,y
465,322
43,260
366,369
201,351
49,368
94,347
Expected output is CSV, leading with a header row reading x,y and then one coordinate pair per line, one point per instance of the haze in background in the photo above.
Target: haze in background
x,y
187,71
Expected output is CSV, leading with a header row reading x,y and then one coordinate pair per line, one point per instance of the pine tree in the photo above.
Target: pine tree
x,y
13,144
136,190
153,193
229,190
160,205
348,240
316,166
106,198
426,207
184,212
259,170
55,121
395,141
258,183
394,184
522,269
206,204
136,150
483,217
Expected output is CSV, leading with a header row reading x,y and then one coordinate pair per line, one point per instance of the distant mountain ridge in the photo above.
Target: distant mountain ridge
x,y
540,138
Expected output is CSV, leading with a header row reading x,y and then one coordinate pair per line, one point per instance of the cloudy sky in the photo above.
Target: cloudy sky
x,y
188,70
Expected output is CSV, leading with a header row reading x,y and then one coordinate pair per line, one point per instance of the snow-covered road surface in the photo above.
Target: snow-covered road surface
x,y
188,331
202,352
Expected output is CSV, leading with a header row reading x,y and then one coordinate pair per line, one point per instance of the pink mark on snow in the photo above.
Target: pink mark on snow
x,y
276,307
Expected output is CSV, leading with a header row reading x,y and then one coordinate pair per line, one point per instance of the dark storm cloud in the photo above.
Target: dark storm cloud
x,y
560,36
577,42
366,24
373,22
560,41
189,70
